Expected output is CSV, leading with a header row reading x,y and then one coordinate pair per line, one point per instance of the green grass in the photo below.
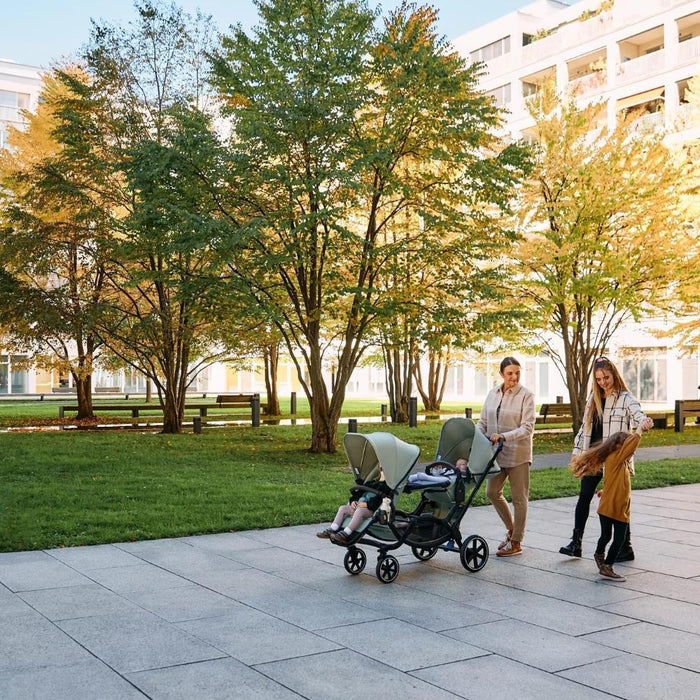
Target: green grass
x,y
73,487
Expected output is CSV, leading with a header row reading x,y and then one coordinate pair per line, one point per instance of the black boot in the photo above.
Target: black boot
x,y
573,549
626,552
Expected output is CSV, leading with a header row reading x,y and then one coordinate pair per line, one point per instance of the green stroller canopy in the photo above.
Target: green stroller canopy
x,y
459,439
380,452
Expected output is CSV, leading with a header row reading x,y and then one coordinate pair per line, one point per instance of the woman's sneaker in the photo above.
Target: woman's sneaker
x,y
606,571
325,534
510,549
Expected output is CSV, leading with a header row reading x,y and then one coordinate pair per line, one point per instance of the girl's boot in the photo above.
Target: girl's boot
x,y
573,549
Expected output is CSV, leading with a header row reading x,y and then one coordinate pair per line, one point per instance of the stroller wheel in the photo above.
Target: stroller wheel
x,y
474,553
387,568
424,553
355,561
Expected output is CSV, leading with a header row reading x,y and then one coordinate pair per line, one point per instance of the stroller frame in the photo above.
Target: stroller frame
x,y
387,531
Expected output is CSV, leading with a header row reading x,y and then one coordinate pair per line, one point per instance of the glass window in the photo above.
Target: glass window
x,y
491,51
544,379
644,371
501,94
3,374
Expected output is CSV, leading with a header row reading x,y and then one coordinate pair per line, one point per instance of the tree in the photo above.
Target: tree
x,y
52,247
152,152
600,242
344,129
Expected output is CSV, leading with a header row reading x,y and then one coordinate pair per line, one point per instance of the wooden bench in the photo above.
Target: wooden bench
x,y
660,418
107,390
685,408
239,400
557,412
64,390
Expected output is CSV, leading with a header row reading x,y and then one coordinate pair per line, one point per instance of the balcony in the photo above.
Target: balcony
x,y
689,50
588,84
640,67
648,123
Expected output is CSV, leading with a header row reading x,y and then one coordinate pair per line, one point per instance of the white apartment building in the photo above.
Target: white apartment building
x,y
628,54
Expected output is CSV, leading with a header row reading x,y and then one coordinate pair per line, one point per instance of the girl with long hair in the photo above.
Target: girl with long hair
x,y
610,408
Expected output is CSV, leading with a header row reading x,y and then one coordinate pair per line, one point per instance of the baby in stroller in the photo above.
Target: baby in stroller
x,y
439,474
358,509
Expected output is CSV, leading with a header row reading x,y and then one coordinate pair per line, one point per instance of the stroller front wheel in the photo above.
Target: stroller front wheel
x,y
424,553
387,568
474,553
355,561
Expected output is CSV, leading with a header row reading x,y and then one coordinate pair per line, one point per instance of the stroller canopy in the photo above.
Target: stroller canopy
x,y
459,439
376,452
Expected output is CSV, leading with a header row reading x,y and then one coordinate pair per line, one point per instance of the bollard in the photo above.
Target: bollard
x,y
255,410
293,403
560,399
352,425
384,411
197,424
413,412
467,412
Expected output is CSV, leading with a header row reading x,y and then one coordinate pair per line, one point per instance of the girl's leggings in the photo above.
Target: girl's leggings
x,y
608,526
358,515
589,485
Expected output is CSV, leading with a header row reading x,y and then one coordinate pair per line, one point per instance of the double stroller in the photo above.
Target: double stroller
x,y
434,523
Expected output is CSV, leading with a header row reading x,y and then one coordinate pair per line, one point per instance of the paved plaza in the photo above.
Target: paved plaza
x,y
273,614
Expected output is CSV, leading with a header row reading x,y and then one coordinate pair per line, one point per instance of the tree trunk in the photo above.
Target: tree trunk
x,y
438,366
398,370
172,419
83,387
271,359
149,389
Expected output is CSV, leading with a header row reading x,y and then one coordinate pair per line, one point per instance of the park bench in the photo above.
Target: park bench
x,y
556,412
685,408
107,390
239,400
660,418
63,390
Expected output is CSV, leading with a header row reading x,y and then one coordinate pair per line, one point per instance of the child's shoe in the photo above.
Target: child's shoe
x,y
606,571
599,560
325,534
340,537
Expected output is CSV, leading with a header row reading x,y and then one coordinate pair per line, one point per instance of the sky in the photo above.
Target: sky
x,y
39,32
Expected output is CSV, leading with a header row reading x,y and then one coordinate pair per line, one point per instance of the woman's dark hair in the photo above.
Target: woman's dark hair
x,y
507,362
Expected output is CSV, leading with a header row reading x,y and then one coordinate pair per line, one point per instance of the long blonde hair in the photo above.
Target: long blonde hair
x,y
596,406
592,460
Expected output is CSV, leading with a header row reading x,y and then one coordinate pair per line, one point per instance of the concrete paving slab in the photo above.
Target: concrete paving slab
x,y
97,557
137,641
29,571
638,678
142,577
182,603
661,611
30,641
666,586
76,601
494,678
11,604
225,543
271,559
221,679
254,637
311,678
85,681
400,644
533,645
654,642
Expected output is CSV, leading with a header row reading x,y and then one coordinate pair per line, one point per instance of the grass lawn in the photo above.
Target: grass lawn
x,y
72,488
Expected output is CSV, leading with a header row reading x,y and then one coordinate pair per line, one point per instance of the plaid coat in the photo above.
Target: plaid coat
x,y
622,412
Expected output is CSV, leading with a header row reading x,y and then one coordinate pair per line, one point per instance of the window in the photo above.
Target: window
x,y
644,372
501,94
11,105
529,89
543,380
4,367
17,377
491,51
3,138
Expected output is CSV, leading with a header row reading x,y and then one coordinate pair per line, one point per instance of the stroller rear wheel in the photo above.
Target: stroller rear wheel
x,y
355,561
474,553
387,568
424,553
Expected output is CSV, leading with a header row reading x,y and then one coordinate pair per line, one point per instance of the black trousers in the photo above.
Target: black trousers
x,y
589,485
615,528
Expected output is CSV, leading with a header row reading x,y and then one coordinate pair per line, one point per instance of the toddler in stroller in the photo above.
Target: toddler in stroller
x,y
434,523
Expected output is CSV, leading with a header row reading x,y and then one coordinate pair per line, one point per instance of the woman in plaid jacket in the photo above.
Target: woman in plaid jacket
x,y
610,409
